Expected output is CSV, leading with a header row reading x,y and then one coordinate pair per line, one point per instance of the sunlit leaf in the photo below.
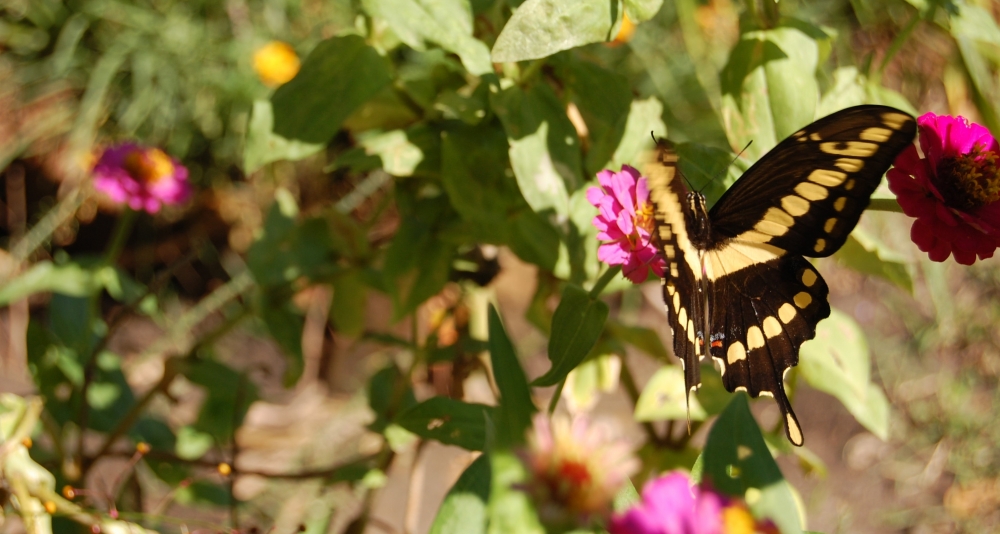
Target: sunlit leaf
x,y
464,508
664,397
866,254
837,362
541,28
576,326
449,421
264,146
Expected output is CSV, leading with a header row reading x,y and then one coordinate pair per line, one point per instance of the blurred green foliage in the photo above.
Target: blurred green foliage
x,y
418,136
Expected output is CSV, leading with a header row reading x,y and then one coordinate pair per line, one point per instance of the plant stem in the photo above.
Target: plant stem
x,y
123,228
885,204
604,280
899,41
556,395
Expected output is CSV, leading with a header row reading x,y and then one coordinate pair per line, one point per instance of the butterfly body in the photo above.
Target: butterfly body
x,y
737,286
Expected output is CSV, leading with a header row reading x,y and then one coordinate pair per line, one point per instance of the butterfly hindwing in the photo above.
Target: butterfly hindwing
x,y
736,279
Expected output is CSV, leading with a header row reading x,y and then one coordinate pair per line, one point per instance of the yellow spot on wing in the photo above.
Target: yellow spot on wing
x,y
771,327
771,228
879,135
755,338
802,299
677,301
778,215
895,120
830,224
827,177
820,245
850,184
809,277
858,149
850,164
840,203
736,352
811,191
795,205
682,317
786,313
794,432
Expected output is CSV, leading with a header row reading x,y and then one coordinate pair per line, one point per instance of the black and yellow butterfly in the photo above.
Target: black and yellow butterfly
x,y
736,282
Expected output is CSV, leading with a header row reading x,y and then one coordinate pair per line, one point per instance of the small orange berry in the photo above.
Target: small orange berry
x,y
142,447
276,63
69,492
225,469
50,507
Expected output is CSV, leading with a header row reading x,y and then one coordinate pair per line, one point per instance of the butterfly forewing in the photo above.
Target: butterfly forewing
x,y
747,274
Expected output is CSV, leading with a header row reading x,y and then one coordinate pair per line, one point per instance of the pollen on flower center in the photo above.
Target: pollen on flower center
x,y
149,166
968,181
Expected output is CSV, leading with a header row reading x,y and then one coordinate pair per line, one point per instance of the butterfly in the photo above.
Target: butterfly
x,y
737,285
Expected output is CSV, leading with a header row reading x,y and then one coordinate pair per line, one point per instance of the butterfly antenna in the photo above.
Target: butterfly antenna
x,y
716,177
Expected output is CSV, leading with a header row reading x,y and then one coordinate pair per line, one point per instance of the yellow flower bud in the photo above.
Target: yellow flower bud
x,y
276,63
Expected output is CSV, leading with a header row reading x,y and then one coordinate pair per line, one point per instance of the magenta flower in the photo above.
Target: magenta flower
x,y
575,468
671,505
952,191
145,178
625,222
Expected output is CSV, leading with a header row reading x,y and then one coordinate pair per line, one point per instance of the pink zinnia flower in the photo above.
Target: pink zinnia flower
x,y
671,505
143,177
625,222
952,191
575,468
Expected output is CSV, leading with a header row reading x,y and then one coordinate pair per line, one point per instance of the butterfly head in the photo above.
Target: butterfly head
x,y
698,223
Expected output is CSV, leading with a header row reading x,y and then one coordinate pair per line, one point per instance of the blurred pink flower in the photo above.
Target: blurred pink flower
x,y
626,222
143,177
575,469
671,505
952,191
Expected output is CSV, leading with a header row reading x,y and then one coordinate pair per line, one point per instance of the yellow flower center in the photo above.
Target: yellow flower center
x,y
276,63
149,166
737,520
969,181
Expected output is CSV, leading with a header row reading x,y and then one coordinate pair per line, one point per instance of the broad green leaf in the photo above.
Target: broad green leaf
x,y
644,339
464,508
513,415
576,326
663,398
399,156
837,362
449,421
289,249
591,378
510,509
447,23
339,75
263,146
230,395
541,28
544,149
388,390
866,254
350,299
644,116
534,240
848,90
488,198
737,462
192,443
769,87
579,263
603,98
642,10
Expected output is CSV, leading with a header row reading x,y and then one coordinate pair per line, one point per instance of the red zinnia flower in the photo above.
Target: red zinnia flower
x,y
625,222
952,191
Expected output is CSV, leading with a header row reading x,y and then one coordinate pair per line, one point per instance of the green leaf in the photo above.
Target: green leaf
x,y
866,254
449,421
769,87
339,75
644,339
72,279
192,443
978,36
418,263
534,240
388,389
263,146
513,415
447,23
230,395
737,462
644,116
284,322
544,149
399,156
664,398
464,508
626,497
350,300
642,10
837,362
288,249
576,327
591,378
541,28
510,508
603,98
